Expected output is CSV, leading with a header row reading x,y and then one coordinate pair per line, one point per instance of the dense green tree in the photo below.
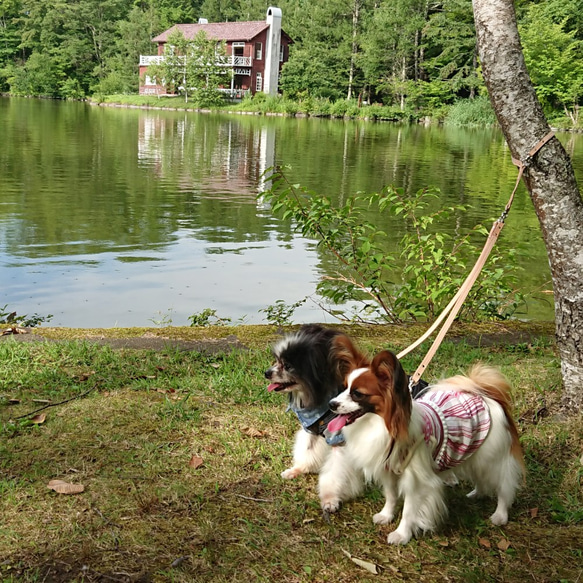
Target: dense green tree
x,y
320,59
220,10
393,48
9,32
554,59
233,10
134,39
77,35
451,53
171,12
40,75
566,12
9,39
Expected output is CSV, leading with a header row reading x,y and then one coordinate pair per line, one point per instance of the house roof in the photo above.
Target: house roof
x,y
227,31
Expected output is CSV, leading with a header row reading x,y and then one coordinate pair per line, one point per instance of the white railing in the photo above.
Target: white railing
x,y
235,61
230,61
235,93
147,60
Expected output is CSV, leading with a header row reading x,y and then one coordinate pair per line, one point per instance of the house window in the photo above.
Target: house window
x,y
258,51
281,50
238,49
258,82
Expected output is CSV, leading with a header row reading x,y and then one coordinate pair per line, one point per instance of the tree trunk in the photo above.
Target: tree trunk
x,y
549,179
354,48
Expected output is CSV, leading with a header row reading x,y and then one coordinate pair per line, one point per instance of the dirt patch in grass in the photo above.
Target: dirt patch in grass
x,y
217,339
147,341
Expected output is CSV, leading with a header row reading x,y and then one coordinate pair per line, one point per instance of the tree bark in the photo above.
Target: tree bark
x,y
354,47
549,179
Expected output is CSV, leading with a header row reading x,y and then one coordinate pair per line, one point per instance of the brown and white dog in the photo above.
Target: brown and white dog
x,y
460,428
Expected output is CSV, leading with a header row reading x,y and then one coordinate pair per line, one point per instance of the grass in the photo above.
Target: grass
x,y
180,453
263,104
471,112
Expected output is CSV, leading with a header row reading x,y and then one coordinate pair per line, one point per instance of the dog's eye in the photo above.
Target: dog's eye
x,y
286,366
357,395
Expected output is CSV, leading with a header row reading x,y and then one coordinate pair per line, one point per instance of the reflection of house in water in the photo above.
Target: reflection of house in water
x,y
212,159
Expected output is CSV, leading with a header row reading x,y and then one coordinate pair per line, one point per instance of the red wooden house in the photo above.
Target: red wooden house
x,y
256,50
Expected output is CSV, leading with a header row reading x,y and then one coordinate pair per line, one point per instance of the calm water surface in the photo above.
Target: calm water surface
x,y
123,217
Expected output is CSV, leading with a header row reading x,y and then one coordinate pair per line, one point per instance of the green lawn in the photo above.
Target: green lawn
x,y
179,452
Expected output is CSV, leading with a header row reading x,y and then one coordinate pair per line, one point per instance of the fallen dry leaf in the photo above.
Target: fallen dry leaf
x,y
62,487
253,432
14,330
370,567
533,512
86,376
40,418
195,462
503,544
485,543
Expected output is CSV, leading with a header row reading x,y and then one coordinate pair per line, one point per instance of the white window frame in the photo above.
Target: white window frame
x,y
281,51
238,45
258,82
258,52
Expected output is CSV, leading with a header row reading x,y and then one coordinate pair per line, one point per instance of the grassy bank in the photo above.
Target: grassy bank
x,y
469,113
179,449
266,105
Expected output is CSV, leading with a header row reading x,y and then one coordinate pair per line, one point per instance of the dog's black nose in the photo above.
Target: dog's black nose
x,y
268,373
333,405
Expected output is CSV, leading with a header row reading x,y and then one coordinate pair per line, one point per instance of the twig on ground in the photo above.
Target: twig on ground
x,y
253,499
57,404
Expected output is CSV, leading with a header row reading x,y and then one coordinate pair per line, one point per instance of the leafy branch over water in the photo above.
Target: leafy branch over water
x,y
411,283
14,321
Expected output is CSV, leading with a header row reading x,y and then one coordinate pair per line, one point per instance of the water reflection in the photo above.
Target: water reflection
x,y
111,216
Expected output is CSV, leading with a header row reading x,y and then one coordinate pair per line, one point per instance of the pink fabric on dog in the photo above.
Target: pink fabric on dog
x,y
457,422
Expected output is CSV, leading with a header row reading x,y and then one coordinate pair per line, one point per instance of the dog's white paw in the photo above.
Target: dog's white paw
x,y
499,518
381,518
450,480
398,538
291,473
331,505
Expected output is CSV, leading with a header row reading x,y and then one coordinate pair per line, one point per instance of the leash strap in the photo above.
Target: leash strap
x,y
457,301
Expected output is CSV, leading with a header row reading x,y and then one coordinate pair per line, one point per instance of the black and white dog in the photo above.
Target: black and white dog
x,y
310,366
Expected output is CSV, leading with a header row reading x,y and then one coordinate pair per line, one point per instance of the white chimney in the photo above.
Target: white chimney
x,y
272,51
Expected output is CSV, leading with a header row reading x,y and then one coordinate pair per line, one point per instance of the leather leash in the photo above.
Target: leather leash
x,y
456,302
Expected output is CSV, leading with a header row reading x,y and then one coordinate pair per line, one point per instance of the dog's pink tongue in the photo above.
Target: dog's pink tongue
x,y
272,387
337,423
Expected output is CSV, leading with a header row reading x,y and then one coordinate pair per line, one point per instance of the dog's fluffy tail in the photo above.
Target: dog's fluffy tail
x,y
488,381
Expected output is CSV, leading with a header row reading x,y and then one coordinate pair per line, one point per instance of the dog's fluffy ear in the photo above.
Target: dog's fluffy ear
x,y
395,391
347,356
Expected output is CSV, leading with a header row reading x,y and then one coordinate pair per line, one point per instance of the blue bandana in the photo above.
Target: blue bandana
x,y
315,421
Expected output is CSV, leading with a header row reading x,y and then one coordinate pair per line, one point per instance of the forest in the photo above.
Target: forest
x,y
415,55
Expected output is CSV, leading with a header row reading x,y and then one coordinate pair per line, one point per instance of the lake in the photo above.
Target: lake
x,y
127,217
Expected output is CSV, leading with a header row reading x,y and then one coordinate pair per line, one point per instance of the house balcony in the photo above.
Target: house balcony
x,y
229,61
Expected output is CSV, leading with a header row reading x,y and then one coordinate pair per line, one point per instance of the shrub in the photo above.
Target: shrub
x,y
475,112
417,285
